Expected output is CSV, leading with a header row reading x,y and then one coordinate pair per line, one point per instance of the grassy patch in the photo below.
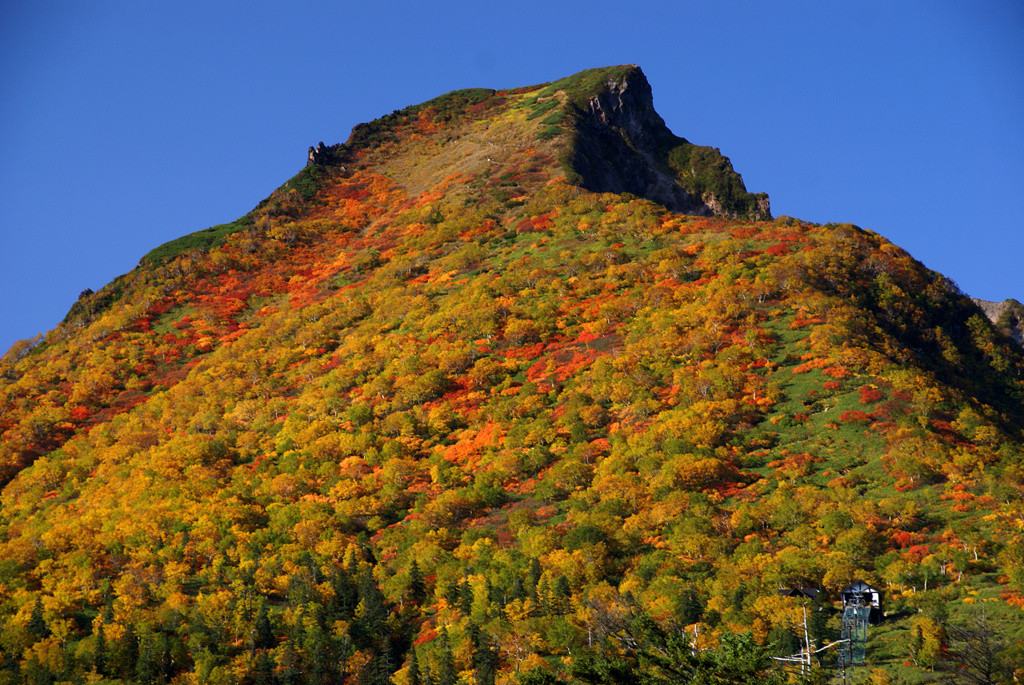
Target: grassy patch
x,y
200,240
165,322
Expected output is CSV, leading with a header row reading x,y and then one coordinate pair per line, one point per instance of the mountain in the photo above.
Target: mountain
x,y
1008,316
511,386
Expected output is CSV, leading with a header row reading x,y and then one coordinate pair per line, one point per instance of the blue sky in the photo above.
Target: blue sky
x,y
126,124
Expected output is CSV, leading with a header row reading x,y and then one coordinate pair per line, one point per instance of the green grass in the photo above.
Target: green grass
x,y
200,240
165,322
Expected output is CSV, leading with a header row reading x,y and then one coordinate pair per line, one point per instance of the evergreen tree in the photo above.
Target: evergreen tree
x,y
446,674
317,650
414,668
298,630
36,623
535,572
299,589
384,663
127,653
485,659
689,608
147,666
417,586
465,597
288,663
345,597
99,654
306,559
371,623
264,669
165,658
427,678
817,625
36,673
543,597
451,594
561,595
263,632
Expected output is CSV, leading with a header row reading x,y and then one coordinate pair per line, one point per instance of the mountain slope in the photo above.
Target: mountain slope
x,y
433,398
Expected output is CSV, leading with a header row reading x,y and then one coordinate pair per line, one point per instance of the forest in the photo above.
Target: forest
x,y
432,414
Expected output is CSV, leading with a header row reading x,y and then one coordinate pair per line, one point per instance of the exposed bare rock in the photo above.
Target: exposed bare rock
x,y
1007,315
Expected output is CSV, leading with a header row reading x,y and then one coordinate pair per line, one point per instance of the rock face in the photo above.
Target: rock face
x,y
616,149
1007,315
623,146
321,154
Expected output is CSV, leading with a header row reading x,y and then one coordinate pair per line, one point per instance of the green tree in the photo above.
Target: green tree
x,y
36,622
485,659
976,651
417,586
127,653
147,665
446,674
413,677
99,654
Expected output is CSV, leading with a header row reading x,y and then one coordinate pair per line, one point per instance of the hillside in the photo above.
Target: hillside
x,y
512,386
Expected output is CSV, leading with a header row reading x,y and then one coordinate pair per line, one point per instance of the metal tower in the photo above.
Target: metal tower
x,y
855,633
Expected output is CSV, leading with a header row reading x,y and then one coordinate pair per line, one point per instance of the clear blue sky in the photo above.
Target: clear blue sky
x,y
126,124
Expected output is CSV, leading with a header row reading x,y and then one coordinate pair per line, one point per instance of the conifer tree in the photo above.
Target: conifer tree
x,y
493,595
518,590
165,658
36,622
451,593
413,677
446,674
127,653
147,668
318,655
37,674
560,595
689,608
543,597
465,597
288,662
485,659
264,669
263,632
384,663
535,571
345,597
99,654
371,623
417,586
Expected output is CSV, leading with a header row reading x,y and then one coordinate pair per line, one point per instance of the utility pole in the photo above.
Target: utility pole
x,y
807,640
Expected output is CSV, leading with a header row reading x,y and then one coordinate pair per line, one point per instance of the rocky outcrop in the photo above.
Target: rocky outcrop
x,y
616,147
1008,316
622,145
317,154
326,155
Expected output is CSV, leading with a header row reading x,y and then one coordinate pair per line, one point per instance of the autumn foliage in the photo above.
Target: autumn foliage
x,y
475,420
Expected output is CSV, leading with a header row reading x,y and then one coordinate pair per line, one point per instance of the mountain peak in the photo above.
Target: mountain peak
x,y
600,125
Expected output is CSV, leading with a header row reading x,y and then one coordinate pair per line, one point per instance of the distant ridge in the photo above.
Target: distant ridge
x,y
1007,315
